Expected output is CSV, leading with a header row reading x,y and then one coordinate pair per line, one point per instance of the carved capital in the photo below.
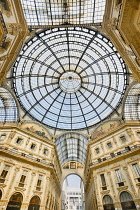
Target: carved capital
x,y
6,12
129,131
2,185
2,58
17,169
2,50
114,140
112,23
125,168
21,189
28,140
14,28
12,134
109,173
128,52
122,188
37,192
3,82
105,192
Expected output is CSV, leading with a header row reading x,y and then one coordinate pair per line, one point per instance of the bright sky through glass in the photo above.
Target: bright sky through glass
x,y
8,107
40,13
71,146
73,181
69,78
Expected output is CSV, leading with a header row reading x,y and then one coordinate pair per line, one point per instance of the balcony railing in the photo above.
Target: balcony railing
x,y
115,154
14,151
30,157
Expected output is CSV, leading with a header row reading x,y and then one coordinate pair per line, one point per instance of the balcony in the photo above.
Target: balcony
x,y
30,158
26,156
115,154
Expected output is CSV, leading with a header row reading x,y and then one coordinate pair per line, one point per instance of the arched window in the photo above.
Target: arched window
x,y
34,203
0,194
8,108
132,104
127,201
108,203
15,202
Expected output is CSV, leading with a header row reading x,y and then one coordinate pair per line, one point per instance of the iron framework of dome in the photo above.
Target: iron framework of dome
x,y
69,78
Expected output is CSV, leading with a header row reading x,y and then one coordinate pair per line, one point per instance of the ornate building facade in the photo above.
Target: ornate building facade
x,y
69,102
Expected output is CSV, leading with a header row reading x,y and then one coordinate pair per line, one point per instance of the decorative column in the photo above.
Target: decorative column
x,y
117,204
2,163
11,136
112,186
30,186
99,204
48,201
131,134
12,182
46,190
50,206
114,139
25,204
130,181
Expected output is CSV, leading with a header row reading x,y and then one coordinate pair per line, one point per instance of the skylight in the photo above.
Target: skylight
x,y
8,108
42,13
71,147
69,78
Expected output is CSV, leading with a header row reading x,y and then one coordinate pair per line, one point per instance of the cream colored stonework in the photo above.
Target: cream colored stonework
x,y
122,25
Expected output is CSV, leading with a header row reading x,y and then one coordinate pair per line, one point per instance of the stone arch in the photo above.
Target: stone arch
x,y
108,203
70,172
126,200
8,106
15,201
34,203
72,187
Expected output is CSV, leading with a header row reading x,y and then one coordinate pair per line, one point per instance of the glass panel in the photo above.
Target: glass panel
x,y
136,169
132,104
71,146
103,180
8,108
41,13
69,78
125,196
118,174
107,200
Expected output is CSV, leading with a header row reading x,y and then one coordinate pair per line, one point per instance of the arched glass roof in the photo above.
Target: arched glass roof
x,y
71,147
132,104
8,108
42,13
69,78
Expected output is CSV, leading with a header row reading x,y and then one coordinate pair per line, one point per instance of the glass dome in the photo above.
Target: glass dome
x,y
69,78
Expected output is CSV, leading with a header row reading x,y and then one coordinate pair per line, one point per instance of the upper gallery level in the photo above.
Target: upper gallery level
x,y
25,144
106,148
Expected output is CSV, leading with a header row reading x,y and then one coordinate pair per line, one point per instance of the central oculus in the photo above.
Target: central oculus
x,y
70,82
